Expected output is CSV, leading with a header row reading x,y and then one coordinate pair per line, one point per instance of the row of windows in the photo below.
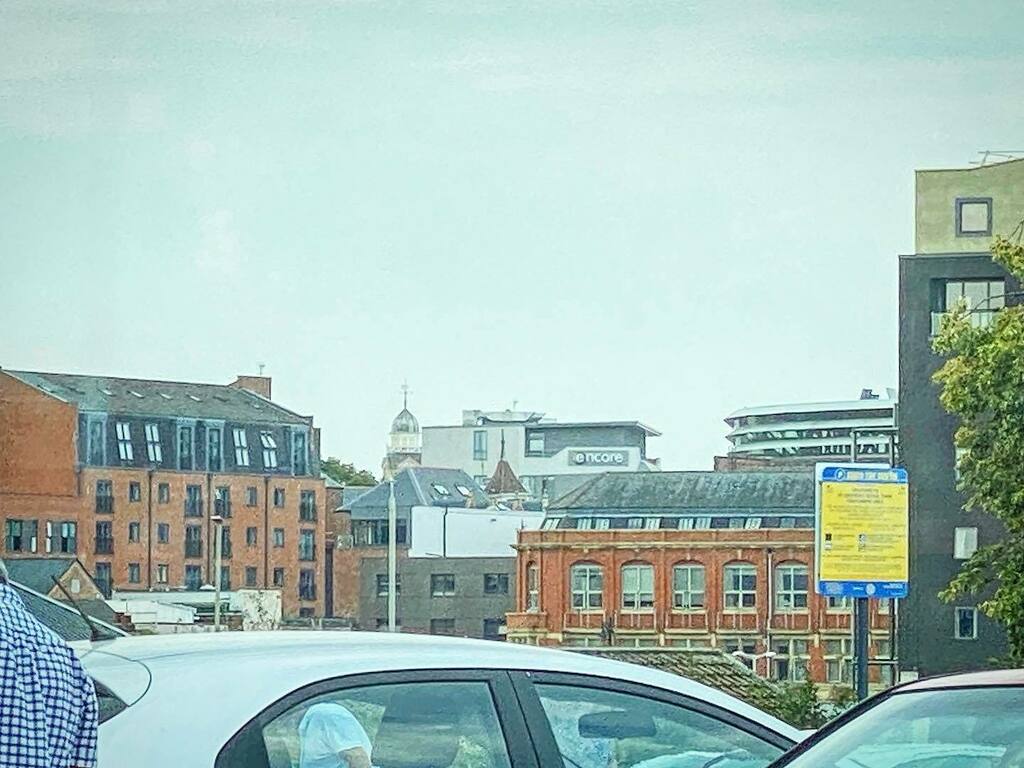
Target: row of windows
x,y
586,588
193,578
374,533
492,628
186,434
194,498
62,537
443,584
982,297
792,418
655,522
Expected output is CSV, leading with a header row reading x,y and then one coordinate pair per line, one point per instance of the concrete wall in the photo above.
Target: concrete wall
x,y
468,532
936,196
927,451
416,606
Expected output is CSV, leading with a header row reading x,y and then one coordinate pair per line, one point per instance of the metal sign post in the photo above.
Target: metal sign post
x,y
862,531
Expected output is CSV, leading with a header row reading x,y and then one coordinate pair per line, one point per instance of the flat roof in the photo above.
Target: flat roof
x,y
649,431
833,405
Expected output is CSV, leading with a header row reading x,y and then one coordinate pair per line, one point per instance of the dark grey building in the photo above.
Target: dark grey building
x,y
956,215
464,596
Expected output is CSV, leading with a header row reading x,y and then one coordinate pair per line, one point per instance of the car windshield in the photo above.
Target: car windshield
x,y
966,728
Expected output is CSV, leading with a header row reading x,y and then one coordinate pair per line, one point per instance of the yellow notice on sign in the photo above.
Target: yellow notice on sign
x,y
864,532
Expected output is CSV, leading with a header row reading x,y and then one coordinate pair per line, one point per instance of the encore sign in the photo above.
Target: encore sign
x,y
598,458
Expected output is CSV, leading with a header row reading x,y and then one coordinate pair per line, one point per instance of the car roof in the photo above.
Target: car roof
x,y
992,677
297,658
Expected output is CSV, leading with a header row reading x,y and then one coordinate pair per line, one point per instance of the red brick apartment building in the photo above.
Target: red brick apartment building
x,y
127,474
690,559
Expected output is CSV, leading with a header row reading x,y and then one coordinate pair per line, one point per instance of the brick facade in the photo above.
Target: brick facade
x,y
45,482
550,619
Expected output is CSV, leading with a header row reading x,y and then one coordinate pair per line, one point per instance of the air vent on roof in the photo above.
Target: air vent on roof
x,y
106,392
165,396
195,398
134,393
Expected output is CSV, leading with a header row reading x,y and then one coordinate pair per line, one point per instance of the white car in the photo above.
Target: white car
x,y
237,700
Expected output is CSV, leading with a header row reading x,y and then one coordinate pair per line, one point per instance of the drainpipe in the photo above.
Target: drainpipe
x,y
771,613
149,533
209,524
266,531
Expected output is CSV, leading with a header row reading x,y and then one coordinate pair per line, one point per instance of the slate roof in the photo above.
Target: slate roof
x,y
60,617
414,487
734,493
709,666
171,399
38,573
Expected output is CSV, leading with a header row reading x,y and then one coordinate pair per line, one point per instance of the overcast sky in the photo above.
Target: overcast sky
x,y
601,210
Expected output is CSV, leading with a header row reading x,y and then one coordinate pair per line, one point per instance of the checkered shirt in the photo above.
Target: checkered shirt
x,y
48,709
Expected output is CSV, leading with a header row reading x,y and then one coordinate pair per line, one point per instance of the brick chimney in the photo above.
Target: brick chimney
x,y
258,384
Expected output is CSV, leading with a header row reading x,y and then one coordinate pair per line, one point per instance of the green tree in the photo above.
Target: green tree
x,y
346,473
982,383
798,704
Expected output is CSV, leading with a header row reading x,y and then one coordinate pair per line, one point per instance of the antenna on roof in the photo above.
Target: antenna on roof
x,y
997,156
261,366
94,631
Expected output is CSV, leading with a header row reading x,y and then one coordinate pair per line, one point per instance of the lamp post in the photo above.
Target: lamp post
x,y
218,523
754,658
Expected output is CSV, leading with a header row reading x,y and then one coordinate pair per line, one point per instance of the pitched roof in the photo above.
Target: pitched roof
x,y
504,480
62,618
147,397
38,573
709,666
421,487
694,492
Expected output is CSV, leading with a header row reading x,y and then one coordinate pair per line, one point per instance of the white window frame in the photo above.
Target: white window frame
x,y
124,441
956,622
153,450
638,598
591,598
965,542
844,660
798,663
161,573
740,571
787,596
535,442
241,443
839,603
683,595
532,588
269,449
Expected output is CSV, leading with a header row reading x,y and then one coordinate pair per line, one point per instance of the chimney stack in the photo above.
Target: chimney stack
x,y
258,384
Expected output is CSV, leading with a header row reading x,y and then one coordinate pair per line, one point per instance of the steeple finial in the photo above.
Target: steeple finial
x,y
405,394
503,443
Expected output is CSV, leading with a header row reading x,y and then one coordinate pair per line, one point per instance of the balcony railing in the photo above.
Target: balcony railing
x,y
105,546
222,507
105,504
193,549
193,507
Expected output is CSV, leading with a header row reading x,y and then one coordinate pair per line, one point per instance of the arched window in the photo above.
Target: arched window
x,y
532,588
586,585
638,587
688,587
790,587
740,587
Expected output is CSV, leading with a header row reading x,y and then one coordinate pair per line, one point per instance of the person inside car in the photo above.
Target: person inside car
x,y
331,737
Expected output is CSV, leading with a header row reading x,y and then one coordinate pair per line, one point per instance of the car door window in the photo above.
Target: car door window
x,y
393,725
600,728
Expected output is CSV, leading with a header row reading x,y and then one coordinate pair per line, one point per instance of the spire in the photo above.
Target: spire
x,y
502,445
405,395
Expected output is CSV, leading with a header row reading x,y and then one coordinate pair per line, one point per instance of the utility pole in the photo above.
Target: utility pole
x,y
392,559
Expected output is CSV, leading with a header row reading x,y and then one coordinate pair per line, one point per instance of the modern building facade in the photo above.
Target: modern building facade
x,y
957,212
538,449
456,557
805,433
129,475
690,559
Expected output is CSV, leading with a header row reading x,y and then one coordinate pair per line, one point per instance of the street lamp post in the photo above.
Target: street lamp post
x,y
218,523
753,658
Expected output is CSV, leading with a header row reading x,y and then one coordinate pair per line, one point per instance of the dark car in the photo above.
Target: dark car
x,y
957,721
